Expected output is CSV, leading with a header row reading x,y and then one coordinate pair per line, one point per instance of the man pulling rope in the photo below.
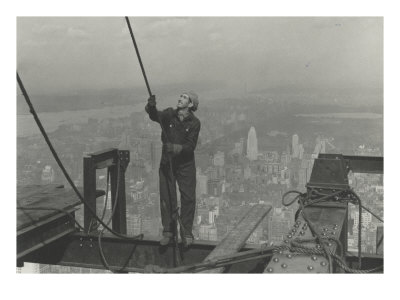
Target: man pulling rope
x,y
179,138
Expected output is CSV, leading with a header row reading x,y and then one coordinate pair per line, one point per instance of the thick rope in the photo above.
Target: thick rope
x,y
138,55
177,254
305,199
60,164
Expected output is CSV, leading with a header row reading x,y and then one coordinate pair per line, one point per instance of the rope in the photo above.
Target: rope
x,y
103,257
60,164
296,248
305,199
138,55
175,229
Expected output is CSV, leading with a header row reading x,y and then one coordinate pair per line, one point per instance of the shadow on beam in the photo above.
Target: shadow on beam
x,y
81,250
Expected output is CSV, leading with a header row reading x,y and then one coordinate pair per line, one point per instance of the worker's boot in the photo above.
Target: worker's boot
x,y
166,239
187,241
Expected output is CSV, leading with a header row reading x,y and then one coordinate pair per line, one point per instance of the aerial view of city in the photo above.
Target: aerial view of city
x,y
263,122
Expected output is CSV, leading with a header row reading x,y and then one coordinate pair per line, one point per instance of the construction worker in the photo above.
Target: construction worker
x,y
180,130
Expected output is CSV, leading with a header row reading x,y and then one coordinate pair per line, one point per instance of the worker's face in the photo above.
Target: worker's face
x,y
184,101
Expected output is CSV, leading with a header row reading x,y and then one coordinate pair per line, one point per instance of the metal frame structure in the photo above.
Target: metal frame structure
x,y
81,249
116,161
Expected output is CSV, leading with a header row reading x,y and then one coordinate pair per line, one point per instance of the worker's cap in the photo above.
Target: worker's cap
x,y
194,98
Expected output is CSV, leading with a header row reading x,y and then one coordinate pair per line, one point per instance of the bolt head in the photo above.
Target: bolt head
x,y
275,259
284,266
310,268
270,270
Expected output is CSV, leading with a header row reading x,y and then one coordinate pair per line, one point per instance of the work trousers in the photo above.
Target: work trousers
x,y
185,175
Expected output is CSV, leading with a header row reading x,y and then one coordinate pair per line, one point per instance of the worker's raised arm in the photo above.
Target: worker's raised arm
x,y
151,109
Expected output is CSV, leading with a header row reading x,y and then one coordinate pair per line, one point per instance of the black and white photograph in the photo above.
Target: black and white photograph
x,y
162,145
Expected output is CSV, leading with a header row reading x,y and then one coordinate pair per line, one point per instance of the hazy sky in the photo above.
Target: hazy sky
x,y
69,54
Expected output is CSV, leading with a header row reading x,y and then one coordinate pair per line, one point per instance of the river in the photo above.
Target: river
x,y
26,125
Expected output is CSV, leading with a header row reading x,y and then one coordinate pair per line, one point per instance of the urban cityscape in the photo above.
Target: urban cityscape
x,y
245,156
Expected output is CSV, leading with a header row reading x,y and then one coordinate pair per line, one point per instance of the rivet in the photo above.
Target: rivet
x,y
323,263
286,241
289,255
310,268
275,259
325,229
270,270
323,234
329,244
284,266
298,222
81,239
91,245
301,232
318,246
314,258
333,232
296,225
293,230
80,245
280,251
289,236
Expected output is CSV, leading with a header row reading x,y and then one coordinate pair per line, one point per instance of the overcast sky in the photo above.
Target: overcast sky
x,y
69,54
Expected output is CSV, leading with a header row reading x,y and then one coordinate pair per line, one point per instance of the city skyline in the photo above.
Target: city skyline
x,y
237,168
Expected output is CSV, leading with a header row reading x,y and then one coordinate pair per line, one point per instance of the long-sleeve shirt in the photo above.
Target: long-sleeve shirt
x,y
175,131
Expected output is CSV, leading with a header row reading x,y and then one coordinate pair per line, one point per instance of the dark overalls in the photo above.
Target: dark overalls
x,y
184,133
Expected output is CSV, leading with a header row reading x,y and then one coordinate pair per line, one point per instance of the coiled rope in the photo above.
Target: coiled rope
x,y
348,195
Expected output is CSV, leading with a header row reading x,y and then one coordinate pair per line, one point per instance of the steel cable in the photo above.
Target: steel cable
x,y
60,164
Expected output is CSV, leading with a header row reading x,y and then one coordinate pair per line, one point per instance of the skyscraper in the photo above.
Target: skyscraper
x,y
252,145
295,145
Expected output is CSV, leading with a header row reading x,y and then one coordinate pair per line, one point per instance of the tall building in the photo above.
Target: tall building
x,y
219,159
252,144
301,151
295,145
238,149
201,186
208,232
